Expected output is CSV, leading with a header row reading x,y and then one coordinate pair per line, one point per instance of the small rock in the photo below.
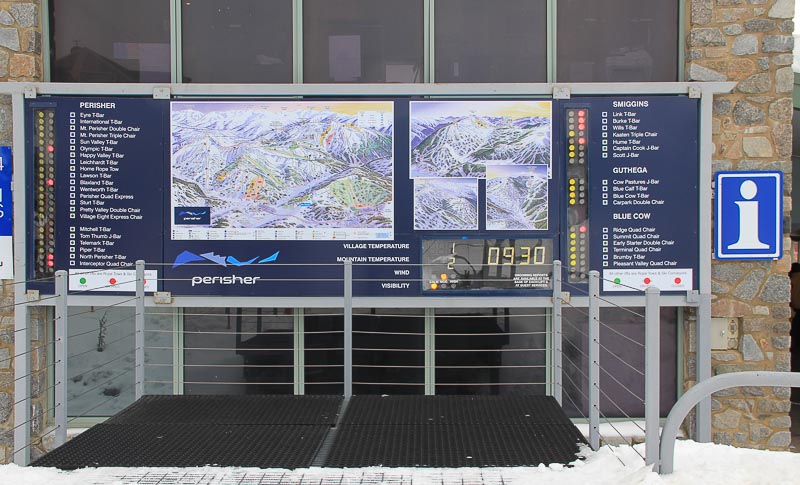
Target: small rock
x,y
745,113
781,439
744,45
9,38
27,14
756,147
777,43
759,25
726,420
706,38
697,72
782,9
750,350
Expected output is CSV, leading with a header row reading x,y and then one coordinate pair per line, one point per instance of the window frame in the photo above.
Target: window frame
x,y
429,37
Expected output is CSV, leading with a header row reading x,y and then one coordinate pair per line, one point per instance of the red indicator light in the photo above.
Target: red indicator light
x,y
677,281
581,120
50,148
581,126
647,281
50,264
50,182
581,113
50,257
582,229
582,141
113,281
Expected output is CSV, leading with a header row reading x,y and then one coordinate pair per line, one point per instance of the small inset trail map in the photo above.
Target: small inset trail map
x,y
516,197
282,170
459,138
446,204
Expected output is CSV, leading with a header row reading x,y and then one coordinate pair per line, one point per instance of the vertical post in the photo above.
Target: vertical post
x,y
557,336
139,330
348,329
594,360
703,356
430,352
652,369
61,349
22,335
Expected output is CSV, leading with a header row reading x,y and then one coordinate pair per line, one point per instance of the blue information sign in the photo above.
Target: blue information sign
x,y
749,215
6,211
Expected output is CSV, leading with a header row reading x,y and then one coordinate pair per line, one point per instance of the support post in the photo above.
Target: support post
x,y
558,385
139,330
348,329
594,360
703,357
61,353
652,369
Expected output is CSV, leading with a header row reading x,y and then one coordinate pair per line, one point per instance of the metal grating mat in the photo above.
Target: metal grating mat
x,y
184,445
454,445
454,410
256,409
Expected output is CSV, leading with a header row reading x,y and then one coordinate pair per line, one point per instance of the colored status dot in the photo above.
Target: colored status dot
x,y
571,154
581,127
647,281
677,281
582,229
572,148
434,286
581,113
50,148
573,242
571,201
83,281
617,280
113,281
572,194
442,276
50,264
581,120
582,141
573,236
573,256
571,181
573,248
50,256
571,133
50,182
573,263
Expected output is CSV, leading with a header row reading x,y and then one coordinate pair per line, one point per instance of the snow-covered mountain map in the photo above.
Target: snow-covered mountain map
x,y
445,204
459,138
274,170
516,197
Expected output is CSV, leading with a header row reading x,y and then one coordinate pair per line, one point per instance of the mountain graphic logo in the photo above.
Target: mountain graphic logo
x,y
187,257
193,214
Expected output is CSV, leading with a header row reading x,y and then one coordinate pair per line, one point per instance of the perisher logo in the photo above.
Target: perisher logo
x,y
188,257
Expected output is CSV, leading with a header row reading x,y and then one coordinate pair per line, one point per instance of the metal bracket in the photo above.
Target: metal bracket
x,y
32,295
162,297
561,92
695,92
29,92
566,297
162,93
693,297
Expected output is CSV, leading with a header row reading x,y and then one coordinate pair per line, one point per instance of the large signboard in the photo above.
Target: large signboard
x,y
425,197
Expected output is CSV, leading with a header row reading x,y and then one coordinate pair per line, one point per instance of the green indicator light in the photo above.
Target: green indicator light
x,y
83,281
617,280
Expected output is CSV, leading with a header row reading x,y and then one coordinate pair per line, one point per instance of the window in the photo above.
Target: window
x,y
617,41
102,41
362,41
488,42
237,41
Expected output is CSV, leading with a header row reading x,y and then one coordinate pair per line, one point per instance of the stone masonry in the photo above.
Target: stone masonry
x,y
749,42
20,60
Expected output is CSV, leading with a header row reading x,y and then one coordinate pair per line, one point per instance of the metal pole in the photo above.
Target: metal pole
x,y
139,330
594,360
61,353
703,356
557,336
348,329
652,361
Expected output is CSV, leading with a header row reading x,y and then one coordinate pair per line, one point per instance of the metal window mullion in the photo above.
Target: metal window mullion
x,y
548,357
430,352
681,40
429,54
297,41
177,352
299,352
45,40
552,12
176,42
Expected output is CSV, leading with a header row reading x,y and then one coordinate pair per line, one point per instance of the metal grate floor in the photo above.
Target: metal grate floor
x,y
289,432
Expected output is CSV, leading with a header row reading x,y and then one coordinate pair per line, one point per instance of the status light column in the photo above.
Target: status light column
x,y
577,203
44,193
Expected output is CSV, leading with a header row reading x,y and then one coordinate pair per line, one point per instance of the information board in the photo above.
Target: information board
x,y
433,198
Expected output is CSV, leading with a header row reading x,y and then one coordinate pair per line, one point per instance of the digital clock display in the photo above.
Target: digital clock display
x,y
486,264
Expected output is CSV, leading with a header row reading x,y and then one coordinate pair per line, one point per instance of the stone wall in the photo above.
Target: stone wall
x,y
749,42
20,60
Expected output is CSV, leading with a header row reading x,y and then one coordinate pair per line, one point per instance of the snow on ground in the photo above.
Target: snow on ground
x,y
695,463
